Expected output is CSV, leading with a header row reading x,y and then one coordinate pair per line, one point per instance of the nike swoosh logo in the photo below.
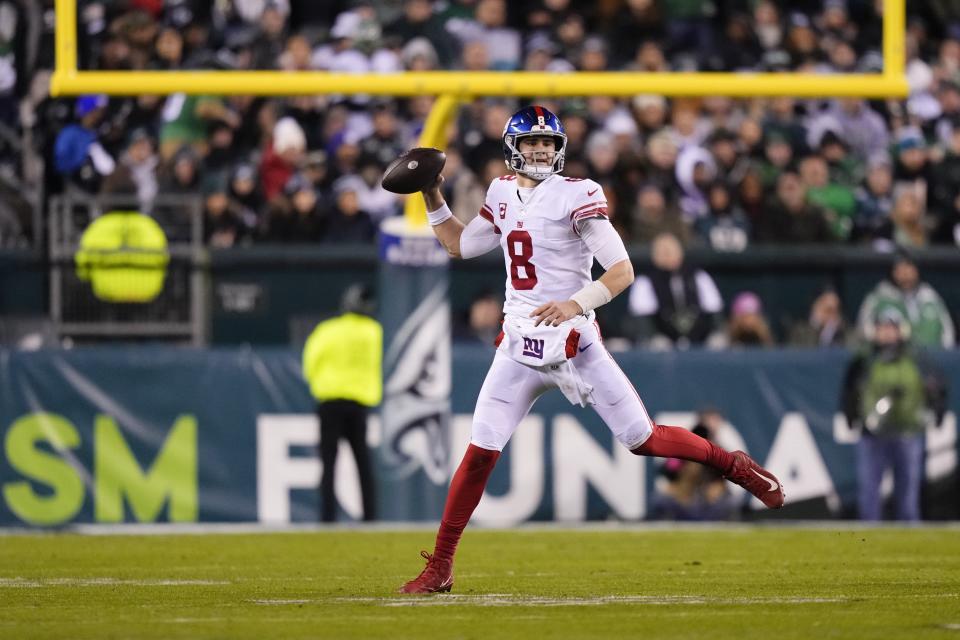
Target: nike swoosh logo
x,y
590,193
582,349
773,485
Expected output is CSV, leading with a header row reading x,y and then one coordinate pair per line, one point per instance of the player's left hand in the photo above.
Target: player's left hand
x,y
553,312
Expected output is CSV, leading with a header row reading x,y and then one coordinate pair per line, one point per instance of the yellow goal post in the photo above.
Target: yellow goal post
x,y
452,87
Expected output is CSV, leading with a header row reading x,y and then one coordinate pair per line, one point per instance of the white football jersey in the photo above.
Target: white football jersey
x,y
543,253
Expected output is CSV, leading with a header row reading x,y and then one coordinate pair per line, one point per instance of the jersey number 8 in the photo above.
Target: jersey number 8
x,y
520,249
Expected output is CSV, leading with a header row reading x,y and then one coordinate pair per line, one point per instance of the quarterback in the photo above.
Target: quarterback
x,y
550,229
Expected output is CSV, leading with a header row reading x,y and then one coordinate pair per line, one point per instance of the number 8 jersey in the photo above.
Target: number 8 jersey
x,y
539,232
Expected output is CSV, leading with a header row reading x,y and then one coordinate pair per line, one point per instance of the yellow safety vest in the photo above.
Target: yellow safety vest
x,y
342,360
124,256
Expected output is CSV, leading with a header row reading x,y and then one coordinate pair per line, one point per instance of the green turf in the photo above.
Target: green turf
x,y
533,584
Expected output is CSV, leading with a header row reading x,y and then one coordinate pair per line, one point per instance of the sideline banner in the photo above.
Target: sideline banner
x,y
414,452
158,434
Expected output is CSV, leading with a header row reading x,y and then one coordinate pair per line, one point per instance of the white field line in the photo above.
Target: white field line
x,y
517,600
37,583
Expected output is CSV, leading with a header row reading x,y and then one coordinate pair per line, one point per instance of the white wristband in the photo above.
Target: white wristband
x,y
439,216
592,296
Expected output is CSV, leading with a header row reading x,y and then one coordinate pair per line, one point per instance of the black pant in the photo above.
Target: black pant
x,y
344,419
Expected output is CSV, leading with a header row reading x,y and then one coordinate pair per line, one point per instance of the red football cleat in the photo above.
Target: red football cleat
x,y
755,479
436,577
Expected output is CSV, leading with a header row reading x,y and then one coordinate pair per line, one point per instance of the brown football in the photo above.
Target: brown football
x,y
414,170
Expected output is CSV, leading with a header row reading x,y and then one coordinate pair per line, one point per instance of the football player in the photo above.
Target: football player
x,y
550,229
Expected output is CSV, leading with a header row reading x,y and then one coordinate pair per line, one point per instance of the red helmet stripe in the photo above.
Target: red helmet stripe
x,y
539,110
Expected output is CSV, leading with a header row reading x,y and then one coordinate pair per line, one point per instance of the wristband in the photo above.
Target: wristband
x,y
439,216
592,296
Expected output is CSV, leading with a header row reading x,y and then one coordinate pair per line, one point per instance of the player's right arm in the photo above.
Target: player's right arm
x,y
460,241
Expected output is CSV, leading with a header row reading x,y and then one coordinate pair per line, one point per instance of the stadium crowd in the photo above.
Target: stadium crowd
x,y
716,172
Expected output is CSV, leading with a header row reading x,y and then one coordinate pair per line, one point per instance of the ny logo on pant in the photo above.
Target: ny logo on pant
x,y
533,347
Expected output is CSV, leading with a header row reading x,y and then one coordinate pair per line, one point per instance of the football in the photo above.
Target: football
x,y
414,170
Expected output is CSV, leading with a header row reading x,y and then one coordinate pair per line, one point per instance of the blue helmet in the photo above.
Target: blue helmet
x,y
533,121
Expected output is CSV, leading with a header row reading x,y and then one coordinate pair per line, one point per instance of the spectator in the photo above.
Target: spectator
x,y
836,201
731,166
484,143
136,173
912,169
168,50
844,169
186,121
384,144
503,43
270,39
725,227
419,21
750,197
463,191
690,491
871,221
642,22
341,54
696,169
483,320
475,56
888,391
283,156
909,223
183,178
946,193
310,216
660,171
78,154
915,300
676,305
790,219
825,326
541,54
221,153
593,55
297,216
245,192
653,215
748,327
651,113
349,224
863,129
223,223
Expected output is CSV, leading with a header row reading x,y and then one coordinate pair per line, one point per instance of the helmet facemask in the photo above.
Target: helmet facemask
x,y
532,170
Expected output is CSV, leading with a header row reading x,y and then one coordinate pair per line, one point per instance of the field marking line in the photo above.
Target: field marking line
x,y
516,600
33,583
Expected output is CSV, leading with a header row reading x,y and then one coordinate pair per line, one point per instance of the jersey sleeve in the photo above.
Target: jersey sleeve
x,y
486,211
604,242
481,234
479,237
587,201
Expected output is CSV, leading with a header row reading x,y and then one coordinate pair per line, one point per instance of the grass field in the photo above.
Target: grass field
x,y
768,583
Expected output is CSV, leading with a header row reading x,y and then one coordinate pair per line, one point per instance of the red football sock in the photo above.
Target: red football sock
x,y
677,442
466,489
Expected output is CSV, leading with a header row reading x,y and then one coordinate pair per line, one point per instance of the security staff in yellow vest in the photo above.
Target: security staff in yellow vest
x,y
342,364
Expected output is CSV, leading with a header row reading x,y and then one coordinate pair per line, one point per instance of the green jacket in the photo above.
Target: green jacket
x,y
891,391
930,322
